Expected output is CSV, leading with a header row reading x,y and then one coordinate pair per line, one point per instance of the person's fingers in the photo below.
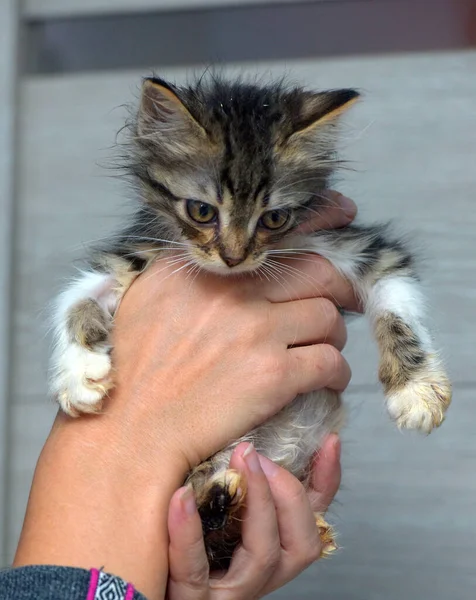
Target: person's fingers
x,y
188,564
315,320
307,277
317,367
326,474
255,559
299,535
339,212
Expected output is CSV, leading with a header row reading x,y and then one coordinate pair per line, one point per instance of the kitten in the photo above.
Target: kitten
x,y
226,173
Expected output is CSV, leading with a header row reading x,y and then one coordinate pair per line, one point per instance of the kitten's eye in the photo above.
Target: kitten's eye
x,y
201,212
275,219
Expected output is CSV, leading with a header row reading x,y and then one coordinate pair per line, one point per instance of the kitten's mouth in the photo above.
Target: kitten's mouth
x,y
223,269
220,267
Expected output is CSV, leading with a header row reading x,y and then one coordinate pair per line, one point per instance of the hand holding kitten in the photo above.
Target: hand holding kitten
x,y
228,343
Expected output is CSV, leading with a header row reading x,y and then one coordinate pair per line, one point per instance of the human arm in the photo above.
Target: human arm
x,y
280,558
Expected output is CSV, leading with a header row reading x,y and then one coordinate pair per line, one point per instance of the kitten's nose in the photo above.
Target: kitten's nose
x,y
232,261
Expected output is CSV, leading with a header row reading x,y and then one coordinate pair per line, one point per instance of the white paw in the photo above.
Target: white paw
x,y
81,379
421,404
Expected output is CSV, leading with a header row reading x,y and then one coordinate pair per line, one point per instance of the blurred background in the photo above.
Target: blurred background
x,y
406,514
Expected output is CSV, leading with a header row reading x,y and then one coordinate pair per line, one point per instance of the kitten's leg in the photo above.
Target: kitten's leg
x,y
81,363
417,389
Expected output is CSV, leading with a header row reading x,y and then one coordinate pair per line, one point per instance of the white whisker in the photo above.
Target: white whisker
x,y
274,272
304,278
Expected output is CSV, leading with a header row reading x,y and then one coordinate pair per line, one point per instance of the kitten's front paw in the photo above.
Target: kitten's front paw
x,y
421,404
81,380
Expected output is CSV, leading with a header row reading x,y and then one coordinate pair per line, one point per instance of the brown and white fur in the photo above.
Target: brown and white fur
x,y
226,173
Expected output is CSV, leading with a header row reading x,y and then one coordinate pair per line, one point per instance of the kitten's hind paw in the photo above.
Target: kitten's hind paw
x,y
421,404
220,496
82,379
220,500
326,535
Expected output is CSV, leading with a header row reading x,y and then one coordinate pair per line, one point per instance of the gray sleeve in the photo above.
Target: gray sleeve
x,y
63,583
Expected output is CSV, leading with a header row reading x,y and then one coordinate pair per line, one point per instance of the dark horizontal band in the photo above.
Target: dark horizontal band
x,y
247,33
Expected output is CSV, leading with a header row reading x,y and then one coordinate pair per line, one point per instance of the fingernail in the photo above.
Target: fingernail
x,y
250,457
270,469
349,207
187,500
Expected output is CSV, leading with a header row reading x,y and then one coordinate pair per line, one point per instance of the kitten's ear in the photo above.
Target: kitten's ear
x,y
163,118
319,109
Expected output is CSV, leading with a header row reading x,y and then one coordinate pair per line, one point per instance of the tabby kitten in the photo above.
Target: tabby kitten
x,y
227,172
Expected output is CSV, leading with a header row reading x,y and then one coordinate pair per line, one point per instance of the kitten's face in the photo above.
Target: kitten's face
x,y
230,229
233,170
227,236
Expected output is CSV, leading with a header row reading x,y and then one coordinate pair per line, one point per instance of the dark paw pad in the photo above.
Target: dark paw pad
x,y
215,509
220,499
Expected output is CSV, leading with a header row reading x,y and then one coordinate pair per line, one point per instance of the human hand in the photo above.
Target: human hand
x,y
280,537
248,347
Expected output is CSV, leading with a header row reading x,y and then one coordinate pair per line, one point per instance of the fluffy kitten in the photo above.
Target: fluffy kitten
x,y
226,173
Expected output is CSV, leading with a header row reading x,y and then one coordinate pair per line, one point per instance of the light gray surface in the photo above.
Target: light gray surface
x,y
8,38
407,516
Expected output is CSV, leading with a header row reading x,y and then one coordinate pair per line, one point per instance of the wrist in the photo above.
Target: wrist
x,y
92,505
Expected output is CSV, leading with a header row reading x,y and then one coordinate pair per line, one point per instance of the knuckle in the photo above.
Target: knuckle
x,y
296,493
327,274
332,367
310,551
260,324
246,334
268,559
275,368
196,579
220,300
256,326
329,311
314,550
274,557
330,358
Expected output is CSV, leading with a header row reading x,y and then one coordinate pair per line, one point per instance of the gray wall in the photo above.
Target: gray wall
x,y
405,513
8,69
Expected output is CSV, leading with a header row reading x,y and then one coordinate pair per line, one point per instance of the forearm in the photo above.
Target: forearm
x,y
91,507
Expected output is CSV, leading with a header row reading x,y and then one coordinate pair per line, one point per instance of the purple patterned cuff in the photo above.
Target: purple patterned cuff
x,y
106,587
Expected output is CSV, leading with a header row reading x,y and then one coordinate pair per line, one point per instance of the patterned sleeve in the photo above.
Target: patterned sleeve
x,y
63,583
